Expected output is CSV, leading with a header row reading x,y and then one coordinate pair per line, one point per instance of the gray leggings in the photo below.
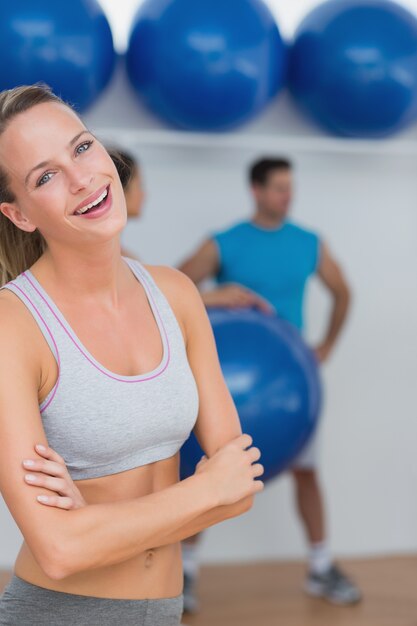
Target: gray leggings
x,y
24,604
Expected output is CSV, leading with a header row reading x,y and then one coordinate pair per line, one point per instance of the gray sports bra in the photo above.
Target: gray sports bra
x,y
100,422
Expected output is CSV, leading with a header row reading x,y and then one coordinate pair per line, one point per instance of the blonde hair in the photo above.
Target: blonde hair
x,y
18,249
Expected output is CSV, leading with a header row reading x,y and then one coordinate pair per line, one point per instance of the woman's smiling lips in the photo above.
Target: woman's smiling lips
x,y
96,205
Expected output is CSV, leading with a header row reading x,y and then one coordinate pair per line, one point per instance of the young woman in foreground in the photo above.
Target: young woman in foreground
x,y
111,364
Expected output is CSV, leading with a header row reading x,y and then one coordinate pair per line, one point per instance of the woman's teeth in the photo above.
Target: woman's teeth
x,y
85,208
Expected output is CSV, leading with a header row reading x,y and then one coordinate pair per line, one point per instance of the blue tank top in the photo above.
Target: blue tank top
x,y
100,422
275,263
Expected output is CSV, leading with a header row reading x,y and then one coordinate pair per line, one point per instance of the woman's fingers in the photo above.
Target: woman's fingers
x,y
254,454
257,469
258,485
51,468
52,463
59,485
49,453
243,441
50,472
59,502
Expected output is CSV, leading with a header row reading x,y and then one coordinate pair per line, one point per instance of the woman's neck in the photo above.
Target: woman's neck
x,y
98,271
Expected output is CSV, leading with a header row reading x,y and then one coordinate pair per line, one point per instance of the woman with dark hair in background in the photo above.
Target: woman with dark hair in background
x,y
130,176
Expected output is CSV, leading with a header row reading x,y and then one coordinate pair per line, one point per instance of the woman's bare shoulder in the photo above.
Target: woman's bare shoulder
x,y
12,310
16,325
175,285
180,291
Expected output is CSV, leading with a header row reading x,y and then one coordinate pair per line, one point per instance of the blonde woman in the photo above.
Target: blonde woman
x,y
111,364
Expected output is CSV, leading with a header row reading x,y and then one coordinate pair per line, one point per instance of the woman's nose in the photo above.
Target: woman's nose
x,y
79,178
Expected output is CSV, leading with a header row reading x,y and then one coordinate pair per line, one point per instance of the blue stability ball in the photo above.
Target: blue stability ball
x,y
205,64
67,45
353,67
274,381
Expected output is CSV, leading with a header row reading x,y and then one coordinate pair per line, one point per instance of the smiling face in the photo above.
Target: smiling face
x,y
63,180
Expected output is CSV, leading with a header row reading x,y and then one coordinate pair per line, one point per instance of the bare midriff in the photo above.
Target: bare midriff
x,y
155,573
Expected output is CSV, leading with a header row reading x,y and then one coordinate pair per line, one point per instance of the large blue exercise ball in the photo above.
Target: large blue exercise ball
x,y
274,381
353,67
205,64
67,45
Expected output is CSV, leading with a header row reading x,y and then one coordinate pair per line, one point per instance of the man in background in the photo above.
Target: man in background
x,y
266,261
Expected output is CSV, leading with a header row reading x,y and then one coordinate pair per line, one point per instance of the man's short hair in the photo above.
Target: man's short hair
x,y
260,170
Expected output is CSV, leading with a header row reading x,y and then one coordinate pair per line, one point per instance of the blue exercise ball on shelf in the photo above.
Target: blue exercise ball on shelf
x,y
353,67
274,381
205,65
67,45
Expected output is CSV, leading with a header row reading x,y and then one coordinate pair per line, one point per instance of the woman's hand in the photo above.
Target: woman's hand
x,y
233,470
51,472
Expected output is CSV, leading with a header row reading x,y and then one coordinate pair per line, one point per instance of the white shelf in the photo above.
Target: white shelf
x,y
256,141
119,117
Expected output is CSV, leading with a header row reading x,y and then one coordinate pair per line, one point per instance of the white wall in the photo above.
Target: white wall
x,y
364,205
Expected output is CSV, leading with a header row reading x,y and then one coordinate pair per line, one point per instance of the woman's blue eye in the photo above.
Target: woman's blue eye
x,y
83,147
43,179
